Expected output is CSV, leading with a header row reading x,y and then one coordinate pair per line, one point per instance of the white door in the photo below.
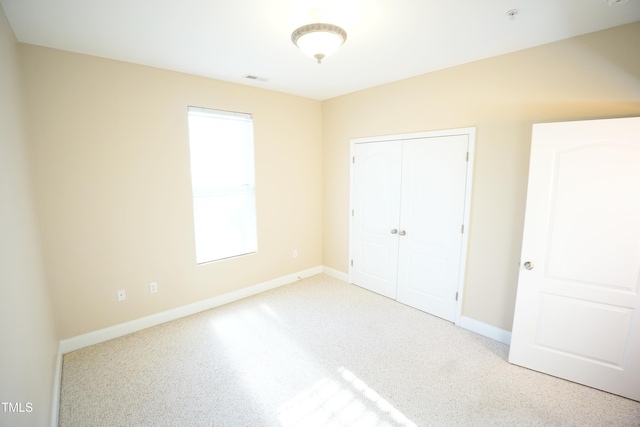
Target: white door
x,y
408,209
432,214
376,210
577,310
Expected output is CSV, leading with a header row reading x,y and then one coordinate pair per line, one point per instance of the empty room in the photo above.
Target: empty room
x,y
210,217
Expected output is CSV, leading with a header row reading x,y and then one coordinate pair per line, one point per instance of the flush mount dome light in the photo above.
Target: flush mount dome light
x,y
319,40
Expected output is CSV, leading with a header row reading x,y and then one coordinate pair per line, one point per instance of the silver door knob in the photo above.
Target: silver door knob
x,y
394,231
402,232
528,265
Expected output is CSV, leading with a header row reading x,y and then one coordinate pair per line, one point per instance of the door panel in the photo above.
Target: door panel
x,y
590,185
426,274
376,204
432,214
577,309
565,326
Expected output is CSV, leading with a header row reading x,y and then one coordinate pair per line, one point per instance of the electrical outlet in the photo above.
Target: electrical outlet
x,y
295,253
121,295
153,287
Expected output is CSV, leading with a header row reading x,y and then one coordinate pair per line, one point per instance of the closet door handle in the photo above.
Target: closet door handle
x,y
394,231
402,233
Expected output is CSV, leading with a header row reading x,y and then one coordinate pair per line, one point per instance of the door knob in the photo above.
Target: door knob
x,y
402,232
394,231
528,265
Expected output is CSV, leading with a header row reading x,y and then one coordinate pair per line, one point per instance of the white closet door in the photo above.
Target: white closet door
x,y
577,310
432,214
376,204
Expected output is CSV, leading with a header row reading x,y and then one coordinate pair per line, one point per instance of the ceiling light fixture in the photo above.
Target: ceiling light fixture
x,y
319,40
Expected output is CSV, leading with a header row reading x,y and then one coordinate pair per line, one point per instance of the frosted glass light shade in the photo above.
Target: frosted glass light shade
x,y
319,40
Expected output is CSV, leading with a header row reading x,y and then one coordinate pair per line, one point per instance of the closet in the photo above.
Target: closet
x,y
409,215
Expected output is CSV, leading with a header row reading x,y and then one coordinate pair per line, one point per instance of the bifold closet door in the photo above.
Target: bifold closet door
x,y
408,211
431,217
376,204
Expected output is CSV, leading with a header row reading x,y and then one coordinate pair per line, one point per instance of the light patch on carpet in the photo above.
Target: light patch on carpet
x,y
346,400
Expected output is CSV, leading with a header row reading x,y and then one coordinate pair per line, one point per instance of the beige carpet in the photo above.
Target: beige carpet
x,y
319,352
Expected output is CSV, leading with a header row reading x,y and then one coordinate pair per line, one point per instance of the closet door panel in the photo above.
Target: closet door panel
x,y
431,218
376,205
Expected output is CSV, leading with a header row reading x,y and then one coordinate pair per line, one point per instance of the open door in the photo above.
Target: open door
x,y
577,310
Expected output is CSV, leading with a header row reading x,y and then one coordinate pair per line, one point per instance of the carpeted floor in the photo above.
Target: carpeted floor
x,y
319,352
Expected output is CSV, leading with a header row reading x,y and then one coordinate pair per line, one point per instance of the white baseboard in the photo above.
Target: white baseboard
x,y
335,273
57,381
101,335
486,330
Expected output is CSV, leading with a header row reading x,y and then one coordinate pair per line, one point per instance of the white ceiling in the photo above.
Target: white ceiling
x,y
387,40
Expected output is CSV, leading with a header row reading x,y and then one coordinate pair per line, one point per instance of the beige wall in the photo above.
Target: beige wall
x,y
110,144
28,342
593,76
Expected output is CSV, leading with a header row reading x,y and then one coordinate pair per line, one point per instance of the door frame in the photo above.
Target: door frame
x,y
470,132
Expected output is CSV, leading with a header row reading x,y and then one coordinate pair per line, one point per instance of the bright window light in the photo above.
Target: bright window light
x,y
222,183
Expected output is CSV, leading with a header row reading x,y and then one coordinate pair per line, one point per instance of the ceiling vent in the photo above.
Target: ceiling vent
x,y
256,78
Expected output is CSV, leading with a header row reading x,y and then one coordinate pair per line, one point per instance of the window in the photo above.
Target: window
x,y
222,183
